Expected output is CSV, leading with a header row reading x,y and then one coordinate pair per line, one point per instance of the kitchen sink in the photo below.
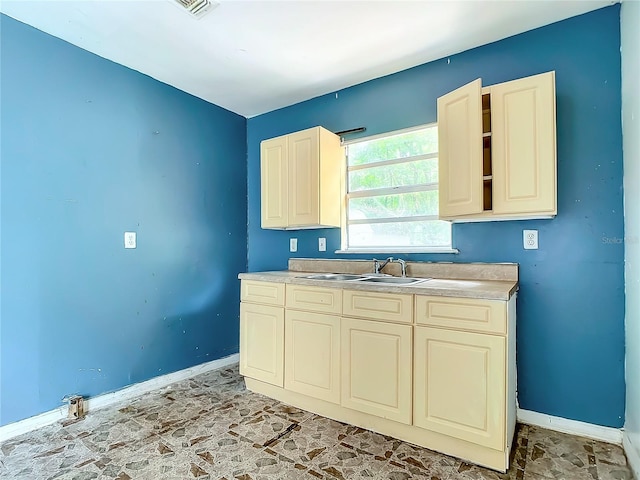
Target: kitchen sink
x,y
335,276
372,278
394,280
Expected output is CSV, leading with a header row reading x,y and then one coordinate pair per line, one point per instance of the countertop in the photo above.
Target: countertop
x,y
486,289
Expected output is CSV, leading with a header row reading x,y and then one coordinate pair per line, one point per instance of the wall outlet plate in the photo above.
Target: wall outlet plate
x,y
530,239
129,239
293,244
322,244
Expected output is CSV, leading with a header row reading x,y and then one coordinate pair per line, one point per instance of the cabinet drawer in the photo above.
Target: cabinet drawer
x,y
489,316
314,299
389,307
269,293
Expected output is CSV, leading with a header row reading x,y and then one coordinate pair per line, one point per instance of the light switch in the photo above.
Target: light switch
x,y
530,239
322,244
293,244
129,239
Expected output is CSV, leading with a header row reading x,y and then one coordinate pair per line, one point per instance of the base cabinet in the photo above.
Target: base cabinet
x,y
434,371
459,385
375,377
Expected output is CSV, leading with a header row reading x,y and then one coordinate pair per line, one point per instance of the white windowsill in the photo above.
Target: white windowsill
x,y
400,250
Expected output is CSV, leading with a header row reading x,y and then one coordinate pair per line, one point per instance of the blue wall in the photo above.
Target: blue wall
x,y
91,149
571,301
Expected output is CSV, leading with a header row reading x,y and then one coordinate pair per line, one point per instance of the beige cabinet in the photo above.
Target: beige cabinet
x,y
432,370
312,354
464,370
497,157
376,368
459,385
262,342
262,331
312,341
301,176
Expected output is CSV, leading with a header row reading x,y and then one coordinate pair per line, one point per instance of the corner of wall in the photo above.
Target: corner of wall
x,y
633,457
629,40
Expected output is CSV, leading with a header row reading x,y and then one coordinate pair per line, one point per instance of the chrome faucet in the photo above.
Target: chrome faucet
x,y
403,265
377,266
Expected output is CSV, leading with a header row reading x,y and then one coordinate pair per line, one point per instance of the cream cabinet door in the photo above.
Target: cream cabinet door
x,y
459,385
273,183
523,119
312,354
460,151
376,368
304,171
262,342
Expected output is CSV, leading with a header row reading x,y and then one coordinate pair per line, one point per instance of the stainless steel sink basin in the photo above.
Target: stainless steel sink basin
x,y
368,278
394,280
334,276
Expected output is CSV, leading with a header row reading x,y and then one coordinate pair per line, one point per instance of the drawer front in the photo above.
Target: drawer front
x,y
477,315
268,293
314,299
388,307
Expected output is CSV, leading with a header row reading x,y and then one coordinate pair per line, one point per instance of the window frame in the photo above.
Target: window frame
x,y
346,195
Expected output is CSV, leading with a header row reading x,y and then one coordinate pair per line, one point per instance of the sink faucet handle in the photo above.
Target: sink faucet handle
x,y
377,266
403,265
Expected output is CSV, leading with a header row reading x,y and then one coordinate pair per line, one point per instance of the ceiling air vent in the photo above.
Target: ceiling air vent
x,y
196,8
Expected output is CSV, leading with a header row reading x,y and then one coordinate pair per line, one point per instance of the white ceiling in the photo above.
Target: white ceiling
x,y
252,57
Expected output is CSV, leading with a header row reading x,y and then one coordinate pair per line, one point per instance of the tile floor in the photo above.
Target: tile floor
x,y
210,427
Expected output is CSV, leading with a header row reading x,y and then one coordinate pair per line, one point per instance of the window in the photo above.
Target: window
x,y
392,193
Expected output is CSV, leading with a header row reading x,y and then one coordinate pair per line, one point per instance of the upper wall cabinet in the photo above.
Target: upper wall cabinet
x,y
301,175
497,145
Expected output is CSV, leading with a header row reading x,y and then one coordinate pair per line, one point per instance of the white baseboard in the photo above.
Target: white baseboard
x,y
573,427
28,424
633,455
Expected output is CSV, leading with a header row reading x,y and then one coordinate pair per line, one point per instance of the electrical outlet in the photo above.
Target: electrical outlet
x,y
530,239
322,244
129,239
293,244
